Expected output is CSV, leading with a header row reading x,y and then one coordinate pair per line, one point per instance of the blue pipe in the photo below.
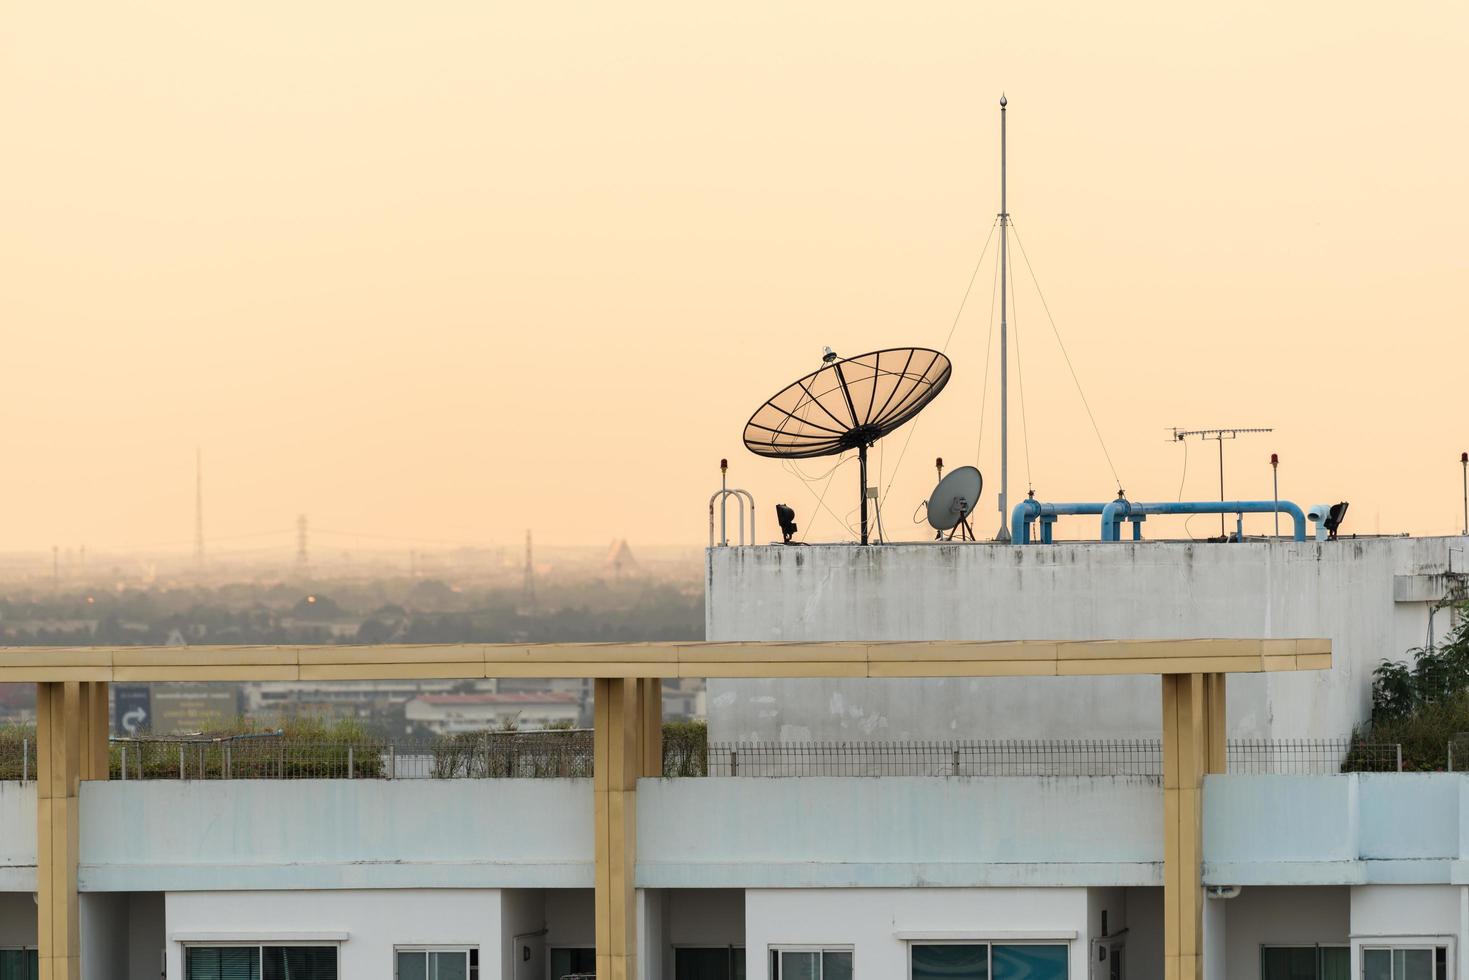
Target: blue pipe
x,y
1118,510
1028,511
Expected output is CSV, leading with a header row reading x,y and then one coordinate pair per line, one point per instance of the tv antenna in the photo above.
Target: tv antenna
x,y
1218,435
847,403
953,500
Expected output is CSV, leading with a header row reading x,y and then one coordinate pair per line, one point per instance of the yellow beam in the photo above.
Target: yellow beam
x,y
663,660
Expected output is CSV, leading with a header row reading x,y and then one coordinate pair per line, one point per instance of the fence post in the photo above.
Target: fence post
x,y
734,762
181,760
229,763
392,759
956,760
1399,747
124,747
25,759
350,767
1451,755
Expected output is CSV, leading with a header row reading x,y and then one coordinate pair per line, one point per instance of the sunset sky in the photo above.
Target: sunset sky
x,y
452,270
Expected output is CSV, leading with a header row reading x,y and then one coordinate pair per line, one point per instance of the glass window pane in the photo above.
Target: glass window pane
x,y
1288,963
449,965
737,963
222,963
1412,964
800,965
701,964
1336,962
566,960
1376,964
1029,962
412,965
299,963
948,962
836,965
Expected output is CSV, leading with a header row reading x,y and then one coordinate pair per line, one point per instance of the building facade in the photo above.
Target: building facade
x,y
905,851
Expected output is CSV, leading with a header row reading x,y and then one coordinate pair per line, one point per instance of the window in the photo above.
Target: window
x,y
988,961
436,963
260,963
19,964
1305,962
709,963
810,963
570,960
1405,962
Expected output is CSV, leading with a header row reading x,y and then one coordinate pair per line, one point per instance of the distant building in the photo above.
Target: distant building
x,y
620,561
448,713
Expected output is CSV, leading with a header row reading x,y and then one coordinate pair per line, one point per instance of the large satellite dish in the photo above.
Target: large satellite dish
x,y
953,501
849,403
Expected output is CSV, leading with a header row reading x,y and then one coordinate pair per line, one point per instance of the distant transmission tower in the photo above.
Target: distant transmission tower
x,y
199,507
528,587
303,561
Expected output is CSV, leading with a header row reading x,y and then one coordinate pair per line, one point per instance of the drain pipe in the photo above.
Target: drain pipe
x,y
1118,510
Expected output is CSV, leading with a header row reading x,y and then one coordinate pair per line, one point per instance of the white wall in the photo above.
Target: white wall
x,y
1343,590
869,920
1280,916
1391,914
1145,934
522,912
17,836
17,919
104,929
374,921
571,917
147,936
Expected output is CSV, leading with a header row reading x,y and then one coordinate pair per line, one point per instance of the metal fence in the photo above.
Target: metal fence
x,y
472,755
1116,757
568,754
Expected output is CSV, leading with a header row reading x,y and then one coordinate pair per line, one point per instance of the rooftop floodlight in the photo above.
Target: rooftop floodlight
x,y
786,516
1335,518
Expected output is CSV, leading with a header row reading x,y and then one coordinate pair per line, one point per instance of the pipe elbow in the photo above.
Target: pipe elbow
x,y
1112,515
1020,518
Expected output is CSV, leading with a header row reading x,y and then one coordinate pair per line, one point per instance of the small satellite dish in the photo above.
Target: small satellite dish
x,y
953,501
849,403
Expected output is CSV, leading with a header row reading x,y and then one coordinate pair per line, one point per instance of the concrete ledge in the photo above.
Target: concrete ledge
x,y
796,874
329,875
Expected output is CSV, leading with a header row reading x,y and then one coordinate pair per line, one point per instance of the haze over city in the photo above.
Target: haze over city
x,y
453,273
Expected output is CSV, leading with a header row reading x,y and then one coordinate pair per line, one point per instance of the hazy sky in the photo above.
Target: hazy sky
x,y
451,270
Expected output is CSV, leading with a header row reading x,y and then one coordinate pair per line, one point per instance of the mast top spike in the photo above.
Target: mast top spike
x,y
1002,100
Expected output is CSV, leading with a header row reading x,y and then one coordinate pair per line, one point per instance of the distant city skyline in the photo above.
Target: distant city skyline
x,y
446,275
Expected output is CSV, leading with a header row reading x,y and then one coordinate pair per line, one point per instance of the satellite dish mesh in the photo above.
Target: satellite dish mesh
x,y
847,404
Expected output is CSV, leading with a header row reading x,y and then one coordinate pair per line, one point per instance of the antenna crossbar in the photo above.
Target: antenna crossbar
x,y
1218,435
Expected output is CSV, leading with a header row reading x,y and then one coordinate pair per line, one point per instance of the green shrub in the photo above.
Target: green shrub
x,y
1423,704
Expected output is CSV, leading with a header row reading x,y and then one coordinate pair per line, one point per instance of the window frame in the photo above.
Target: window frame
x,y
26,949
1392,943
1316,946
551,949
471,964
818,948
729,948
262,946
990,945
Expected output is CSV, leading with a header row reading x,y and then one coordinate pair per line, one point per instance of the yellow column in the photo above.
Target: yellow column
x,y
1217,759
58,772
618,741
650,703
1186,753
94,730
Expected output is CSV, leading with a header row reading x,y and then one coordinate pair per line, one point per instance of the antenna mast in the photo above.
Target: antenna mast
x,y
1218,435
1004,534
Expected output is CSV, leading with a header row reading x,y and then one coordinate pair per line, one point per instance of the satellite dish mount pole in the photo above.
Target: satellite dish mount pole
x,y
862,469
1004,534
